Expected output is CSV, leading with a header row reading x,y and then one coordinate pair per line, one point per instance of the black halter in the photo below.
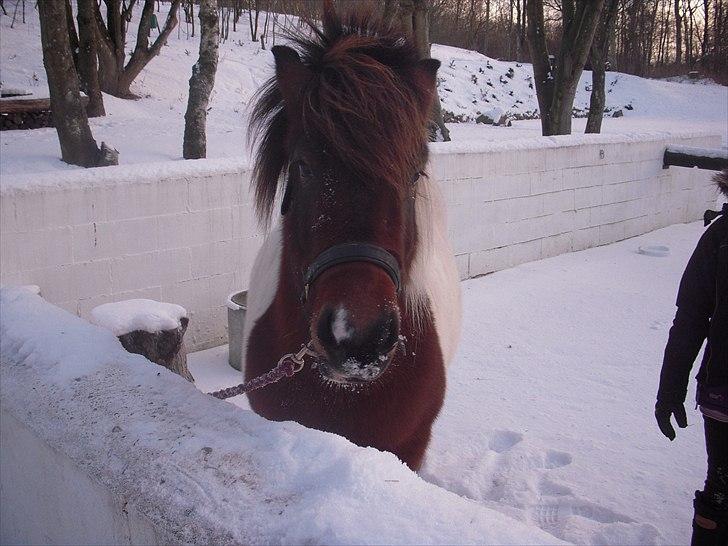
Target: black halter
x,y
347,253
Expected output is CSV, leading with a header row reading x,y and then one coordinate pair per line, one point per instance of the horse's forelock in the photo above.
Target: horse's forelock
x,y
361,104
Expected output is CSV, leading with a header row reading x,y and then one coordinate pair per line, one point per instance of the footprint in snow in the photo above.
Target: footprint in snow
x,y
557,459
503,440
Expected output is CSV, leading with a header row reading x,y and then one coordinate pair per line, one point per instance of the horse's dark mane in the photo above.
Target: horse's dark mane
x,y
363,103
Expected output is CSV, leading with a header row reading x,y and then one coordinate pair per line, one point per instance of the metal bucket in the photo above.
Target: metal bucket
x,y
237,304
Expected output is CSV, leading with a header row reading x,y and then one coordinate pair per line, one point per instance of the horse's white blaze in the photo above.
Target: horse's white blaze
x,y
340,328
434,276
263,283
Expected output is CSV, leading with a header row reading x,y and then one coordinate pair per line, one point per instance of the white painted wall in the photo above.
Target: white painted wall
x,y
519,201
42,485
186,232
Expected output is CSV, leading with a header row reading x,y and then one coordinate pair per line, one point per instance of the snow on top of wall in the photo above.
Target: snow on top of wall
x,y
122,317
203,470
155,172
713,153
561,141
121,174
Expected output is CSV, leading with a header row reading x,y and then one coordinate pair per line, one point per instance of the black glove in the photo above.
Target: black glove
x,y
663,412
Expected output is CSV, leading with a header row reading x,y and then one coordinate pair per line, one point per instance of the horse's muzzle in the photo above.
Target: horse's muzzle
x,y
356,355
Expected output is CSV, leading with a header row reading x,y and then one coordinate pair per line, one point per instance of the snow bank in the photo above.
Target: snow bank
x,y
122,317
470,84
189,467
99,177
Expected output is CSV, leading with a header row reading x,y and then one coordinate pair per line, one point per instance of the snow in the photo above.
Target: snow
x,y
126,316
713,153
150,130
471,83
204,471
548,416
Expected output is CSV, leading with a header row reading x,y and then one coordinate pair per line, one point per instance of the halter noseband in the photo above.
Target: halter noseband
x,y
347,253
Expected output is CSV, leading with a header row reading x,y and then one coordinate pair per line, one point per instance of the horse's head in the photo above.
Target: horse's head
x,y
346,126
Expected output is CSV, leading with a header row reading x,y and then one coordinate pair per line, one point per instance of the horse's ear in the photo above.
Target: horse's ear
x,y
425,79
428,70
291,74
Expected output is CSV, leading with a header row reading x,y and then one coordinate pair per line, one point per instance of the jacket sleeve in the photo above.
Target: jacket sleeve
x,y
695,305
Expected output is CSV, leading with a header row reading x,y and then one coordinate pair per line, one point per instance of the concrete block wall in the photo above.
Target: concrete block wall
x,y
519,201
169,236
186,232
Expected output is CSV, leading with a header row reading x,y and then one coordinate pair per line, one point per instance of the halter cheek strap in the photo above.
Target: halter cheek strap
x,y
351,252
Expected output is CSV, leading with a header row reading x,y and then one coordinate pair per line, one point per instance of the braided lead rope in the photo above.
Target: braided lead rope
x,y
288,365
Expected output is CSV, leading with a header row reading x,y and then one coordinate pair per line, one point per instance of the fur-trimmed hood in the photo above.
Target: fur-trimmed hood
x,y
721,180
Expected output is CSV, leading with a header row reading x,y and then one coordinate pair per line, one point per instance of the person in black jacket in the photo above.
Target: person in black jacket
x,y
702,314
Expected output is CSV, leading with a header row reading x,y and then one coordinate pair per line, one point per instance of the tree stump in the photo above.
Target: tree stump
x,y
149,328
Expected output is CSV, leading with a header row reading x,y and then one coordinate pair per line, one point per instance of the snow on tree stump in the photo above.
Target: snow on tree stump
x,y
149,328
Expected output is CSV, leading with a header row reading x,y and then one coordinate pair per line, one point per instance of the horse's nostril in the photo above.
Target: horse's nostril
x,y
347,343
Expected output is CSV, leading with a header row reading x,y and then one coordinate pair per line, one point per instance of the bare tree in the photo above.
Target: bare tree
x,y
678,33
598,57
87,59
414,18
201,83
253,6
556,85
77,143
115,76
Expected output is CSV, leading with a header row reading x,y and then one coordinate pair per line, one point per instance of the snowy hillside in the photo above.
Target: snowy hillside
x,y
470,84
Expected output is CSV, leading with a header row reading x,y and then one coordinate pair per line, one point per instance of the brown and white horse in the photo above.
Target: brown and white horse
x,y
360,263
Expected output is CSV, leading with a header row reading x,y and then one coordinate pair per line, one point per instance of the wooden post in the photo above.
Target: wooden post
x,y
165,348
149,328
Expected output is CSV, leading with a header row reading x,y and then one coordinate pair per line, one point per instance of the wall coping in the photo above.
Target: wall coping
x,y
142,173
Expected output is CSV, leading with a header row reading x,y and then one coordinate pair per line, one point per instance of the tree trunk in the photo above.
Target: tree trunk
x,y
706,35
253,27
77,143
542,73
389,10
165,348
556,87
201,83
599,54
114,77
87,59
678,33
72,35
414,17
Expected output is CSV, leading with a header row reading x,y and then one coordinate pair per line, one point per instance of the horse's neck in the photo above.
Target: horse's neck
x,y
264,281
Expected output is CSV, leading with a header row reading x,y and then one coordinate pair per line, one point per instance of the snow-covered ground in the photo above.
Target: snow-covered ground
x,y
151,128
548,416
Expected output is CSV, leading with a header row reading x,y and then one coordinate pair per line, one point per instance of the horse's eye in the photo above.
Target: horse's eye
x,y
304,171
